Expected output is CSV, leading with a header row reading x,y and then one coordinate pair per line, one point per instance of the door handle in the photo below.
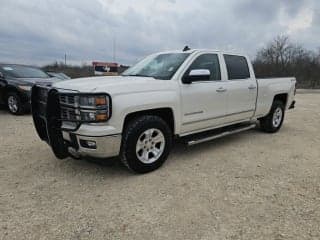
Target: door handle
x,y
221,89
251,87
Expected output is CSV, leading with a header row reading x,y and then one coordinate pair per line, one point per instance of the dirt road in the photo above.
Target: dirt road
x,y
248,186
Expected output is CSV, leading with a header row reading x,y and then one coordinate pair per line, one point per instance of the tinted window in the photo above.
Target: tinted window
x,y
237,67
209,62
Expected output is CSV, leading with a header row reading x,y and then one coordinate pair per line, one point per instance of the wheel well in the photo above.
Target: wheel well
x,y
165,113
5,92
281,97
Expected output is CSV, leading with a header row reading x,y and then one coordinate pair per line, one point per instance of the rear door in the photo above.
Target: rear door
x,y
203,102
242,88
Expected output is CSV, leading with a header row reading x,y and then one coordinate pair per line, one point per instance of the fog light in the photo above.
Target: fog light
x,y
88,144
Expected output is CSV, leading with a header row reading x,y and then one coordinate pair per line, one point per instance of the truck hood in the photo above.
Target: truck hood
x,y
114,84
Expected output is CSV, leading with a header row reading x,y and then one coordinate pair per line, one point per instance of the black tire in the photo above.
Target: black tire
x,y
19,110
267,123
130,137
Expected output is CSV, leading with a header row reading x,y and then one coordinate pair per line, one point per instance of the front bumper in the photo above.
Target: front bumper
x,y
105,146
86,140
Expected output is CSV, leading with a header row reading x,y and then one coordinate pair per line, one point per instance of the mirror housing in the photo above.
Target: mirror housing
x,y
197,75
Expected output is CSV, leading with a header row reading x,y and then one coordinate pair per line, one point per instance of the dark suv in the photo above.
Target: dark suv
x,y
16,82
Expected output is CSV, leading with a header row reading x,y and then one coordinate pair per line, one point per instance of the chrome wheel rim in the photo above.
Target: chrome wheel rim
x,y
13,104
277,117
150,146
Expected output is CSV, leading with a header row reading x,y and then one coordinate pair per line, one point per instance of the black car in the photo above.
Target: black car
x,y
16,82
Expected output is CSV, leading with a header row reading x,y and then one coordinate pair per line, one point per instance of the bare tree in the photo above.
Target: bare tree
x,y
283,58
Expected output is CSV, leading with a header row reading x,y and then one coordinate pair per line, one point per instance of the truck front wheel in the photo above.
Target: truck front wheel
x,y
273,121
146,143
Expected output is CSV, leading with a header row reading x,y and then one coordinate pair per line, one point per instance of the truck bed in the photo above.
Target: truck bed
x,y
268,87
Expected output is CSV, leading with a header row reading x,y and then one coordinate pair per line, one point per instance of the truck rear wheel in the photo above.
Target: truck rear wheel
x,y
273,121
146,144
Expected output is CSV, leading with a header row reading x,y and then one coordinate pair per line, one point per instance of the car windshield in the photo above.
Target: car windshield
x,y
17,71
161,66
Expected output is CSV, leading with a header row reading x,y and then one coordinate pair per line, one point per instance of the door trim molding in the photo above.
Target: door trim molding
x,y
208,119
193,113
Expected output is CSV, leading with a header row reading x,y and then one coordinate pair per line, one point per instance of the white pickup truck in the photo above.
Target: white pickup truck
x,y
194,95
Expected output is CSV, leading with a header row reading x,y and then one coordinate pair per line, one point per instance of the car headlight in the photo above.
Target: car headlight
x,y
89,108
25,87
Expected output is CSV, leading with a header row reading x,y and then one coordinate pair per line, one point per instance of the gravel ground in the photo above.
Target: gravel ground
x,y
247,186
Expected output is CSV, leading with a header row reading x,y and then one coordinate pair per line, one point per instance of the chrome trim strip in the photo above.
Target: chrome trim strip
x,y
200,130
193,113
207,119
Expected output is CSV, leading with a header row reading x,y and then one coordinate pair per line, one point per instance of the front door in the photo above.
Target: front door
x,y
204,102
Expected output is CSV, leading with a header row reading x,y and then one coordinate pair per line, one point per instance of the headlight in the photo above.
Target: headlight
x,y
93,101
89,108
25,87
94,116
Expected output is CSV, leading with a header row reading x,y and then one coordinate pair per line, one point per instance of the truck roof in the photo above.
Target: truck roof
x,y
203,50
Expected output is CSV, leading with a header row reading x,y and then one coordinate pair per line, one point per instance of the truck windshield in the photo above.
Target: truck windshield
x,y
161,66
18,71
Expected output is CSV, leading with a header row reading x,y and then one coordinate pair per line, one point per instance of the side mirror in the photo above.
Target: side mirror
x,y
197,75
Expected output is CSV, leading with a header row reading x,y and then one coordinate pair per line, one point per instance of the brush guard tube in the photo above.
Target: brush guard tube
x,y
46,114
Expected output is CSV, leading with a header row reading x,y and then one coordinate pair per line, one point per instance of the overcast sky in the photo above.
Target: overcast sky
x,y
41,31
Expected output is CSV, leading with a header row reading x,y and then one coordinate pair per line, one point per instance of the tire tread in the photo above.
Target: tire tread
x,y
129,131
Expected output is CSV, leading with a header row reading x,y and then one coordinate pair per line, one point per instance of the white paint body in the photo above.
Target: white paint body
x,y
196,107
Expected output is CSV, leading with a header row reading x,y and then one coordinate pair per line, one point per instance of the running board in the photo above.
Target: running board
x,y
221,134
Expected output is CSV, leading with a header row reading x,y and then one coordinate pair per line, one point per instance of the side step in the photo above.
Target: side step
x,y
208,136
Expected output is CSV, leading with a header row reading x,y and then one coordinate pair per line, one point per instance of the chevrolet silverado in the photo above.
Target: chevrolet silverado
x,y
193,95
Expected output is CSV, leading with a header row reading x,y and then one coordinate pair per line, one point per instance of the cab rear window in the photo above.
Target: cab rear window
x,y
237,67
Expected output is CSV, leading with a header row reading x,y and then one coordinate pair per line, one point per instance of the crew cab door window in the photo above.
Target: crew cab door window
x,y
237,67
209,62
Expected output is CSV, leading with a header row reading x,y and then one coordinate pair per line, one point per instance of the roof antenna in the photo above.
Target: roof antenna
x,y
186,48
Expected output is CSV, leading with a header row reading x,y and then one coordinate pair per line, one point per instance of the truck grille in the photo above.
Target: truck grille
x,y
68,107
69,114
68,100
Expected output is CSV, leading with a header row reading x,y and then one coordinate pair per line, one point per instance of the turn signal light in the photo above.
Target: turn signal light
x,y
101,117
101,101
